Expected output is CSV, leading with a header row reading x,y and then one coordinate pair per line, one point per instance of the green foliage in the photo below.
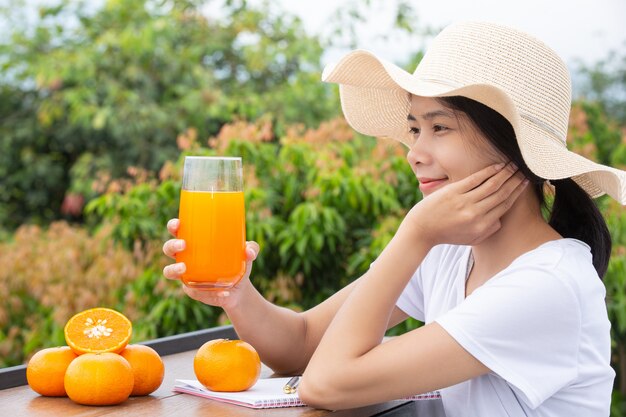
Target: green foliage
x,y
311,208
32,174
139,214
162,309
124,79
618,404
321,203
594,135
42,267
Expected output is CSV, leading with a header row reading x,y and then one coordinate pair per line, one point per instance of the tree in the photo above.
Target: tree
x,y
123,80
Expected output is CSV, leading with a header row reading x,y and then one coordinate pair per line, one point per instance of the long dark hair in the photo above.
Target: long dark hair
x,y
573,213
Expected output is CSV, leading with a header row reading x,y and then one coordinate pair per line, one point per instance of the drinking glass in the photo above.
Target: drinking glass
x,y
212,222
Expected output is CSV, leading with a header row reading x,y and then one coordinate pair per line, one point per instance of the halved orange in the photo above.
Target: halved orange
x,y
98,330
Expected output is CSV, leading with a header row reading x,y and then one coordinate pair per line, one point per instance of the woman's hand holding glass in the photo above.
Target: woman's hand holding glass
x,y
224,298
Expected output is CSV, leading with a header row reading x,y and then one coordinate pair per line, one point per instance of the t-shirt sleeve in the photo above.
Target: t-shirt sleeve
x,y
411,301
525,327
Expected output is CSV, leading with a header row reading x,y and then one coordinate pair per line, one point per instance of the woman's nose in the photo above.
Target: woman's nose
x,y
418,152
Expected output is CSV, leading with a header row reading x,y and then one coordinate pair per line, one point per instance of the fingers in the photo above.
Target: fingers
x,y
488,195
174,271
516,187
252,250
172,226
214,298
494,183
490,222
472,181
498,189
173,246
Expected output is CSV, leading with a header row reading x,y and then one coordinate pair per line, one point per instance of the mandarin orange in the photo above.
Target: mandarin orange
x,y
45,371
99,379
147,366
98,330
227,365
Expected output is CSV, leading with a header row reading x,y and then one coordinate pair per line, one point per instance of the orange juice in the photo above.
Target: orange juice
x,y
213,226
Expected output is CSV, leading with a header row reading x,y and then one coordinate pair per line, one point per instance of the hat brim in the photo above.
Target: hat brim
x,y
375,98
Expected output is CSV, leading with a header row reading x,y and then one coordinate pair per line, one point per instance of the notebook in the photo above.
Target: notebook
x,y
266,393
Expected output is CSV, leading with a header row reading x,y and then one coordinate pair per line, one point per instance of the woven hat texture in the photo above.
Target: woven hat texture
x,y
506,69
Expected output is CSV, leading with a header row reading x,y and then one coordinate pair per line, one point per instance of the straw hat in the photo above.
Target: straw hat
x,y
508,70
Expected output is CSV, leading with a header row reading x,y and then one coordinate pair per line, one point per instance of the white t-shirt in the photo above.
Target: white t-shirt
x,y
540,326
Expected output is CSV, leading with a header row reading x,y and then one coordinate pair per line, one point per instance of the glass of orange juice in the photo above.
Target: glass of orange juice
x,y
212,222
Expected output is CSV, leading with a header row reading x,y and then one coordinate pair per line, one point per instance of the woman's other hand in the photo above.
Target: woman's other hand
x,y
468,211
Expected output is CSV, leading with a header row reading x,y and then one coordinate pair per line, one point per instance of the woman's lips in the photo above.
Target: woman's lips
x,y
429,184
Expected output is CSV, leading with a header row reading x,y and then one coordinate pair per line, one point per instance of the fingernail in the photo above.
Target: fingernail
x,y
180,268
224,294
179,245
525,183
500,166
513,166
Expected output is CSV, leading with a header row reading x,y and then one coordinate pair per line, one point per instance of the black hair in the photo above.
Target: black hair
x,y
573,214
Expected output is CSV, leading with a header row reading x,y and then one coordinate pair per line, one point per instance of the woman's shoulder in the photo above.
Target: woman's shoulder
x,y
558,264
565,253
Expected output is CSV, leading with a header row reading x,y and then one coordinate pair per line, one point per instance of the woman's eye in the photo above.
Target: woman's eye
x,y
414,130
439,128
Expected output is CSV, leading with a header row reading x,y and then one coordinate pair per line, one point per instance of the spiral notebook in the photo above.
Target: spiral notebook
x,y
266,393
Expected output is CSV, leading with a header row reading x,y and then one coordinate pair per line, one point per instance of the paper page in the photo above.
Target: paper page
x,y
267,392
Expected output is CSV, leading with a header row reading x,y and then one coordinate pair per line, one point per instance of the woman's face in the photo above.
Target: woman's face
x,y
447,147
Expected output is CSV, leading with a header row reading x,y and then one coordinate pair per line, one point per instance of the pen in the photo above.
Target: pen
x,y
291,385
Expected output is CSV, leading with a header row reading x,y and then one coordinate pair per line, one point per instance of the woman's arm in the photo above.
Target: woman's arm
x,y
284,339
350,366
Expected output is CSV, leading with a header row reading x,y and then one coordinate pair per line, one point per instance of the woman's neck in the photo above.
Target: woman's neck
x,y
523,229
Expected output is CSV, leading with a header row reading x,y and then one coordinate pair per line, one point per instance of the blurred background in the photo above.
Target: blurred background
x,y
100,101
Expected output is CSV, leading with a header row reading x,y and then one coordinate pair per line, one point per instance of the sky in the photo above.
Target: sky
x,y
582,32
579,30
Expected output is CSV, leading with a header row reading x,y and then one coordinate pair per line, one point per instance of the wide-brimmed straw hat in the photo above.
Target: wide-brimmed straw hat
x,y
506,69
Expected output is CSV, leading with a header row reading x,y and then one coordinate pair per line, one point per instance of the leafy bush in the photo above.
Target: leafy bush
x,y
48,275
320,209
593,135
311,202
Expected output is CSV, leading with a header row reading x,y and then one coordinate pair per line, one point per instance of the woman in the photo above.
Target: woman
x,y
515,320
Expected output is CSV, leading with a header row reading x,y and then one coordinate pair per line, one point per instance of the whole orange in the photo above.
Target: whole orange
x,y
46,370
99,379
147,366
227,365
